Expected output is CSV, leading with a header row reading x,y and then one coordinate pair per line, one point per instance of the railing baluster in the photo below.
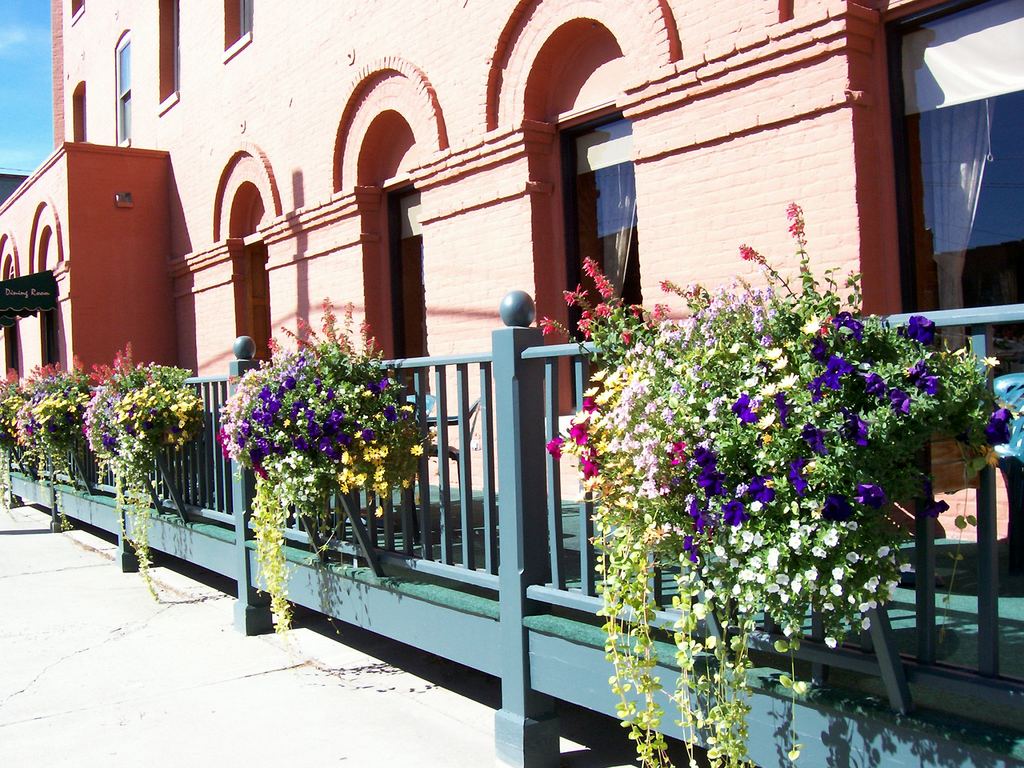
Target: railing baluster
x,y
426,525
225,464
465,468
389,522
487,448
988,557
924,585
408,524
552,466
586,507
219,502
443,478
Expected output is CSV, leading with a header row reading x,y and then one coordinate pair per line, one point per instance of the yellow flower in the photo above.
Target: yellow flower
x,y
417,450
812,326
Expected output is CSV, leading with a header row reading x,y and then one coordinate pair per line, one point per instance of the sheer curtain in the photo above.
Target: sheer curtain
x,y
956,151
616,220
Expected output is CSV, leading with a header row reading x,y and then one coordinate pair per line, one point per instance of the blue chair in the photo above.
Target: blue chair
x,y
1010,391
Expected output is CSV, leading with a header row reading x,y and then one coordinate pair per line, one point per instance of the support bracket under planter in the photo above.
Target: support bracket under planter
x,y
76,467
889,662
179,503
361,534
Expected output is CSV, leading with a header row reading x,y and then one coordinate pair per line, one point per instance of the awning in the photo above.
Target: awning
x,y
24,296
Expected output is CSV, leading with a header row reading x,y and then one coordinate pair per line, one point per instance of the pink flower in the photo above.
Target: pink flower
x,y
555,447
749,254
578,432
589,405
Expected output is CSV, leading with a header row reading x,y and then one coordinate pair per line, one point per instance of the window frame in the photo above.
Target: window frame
x,y
895,32
123,97
568,135
170,46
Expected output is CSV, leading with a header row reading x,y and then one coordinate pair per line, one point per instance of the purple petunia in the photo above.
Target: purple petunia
x,y
734,513
922,379
760,491
837,508
699,516
854,427
690,548
796,476
899,400
921,329
711,481
874,385
819,349
783,409
815,438
704,457
743,410
870,495
847,321
997,432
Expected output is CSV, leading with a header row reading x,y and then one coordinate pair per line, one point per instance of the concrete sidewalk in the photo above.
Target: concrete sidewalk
x,y
94,672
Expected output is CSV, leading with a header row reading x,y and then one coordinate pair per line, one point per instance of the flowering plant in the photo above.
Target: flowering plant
x,y
11,400
321,418
136,411
50,418
754,450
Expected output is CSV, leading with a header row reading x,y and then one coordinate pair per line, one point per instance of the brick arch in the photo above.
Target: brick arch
x,y
249,165
45,218
645,32
386,85
9,266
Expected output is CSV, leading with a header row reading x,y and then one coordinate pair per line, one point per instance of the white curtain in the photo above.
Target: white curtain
x,y
616,220
957,147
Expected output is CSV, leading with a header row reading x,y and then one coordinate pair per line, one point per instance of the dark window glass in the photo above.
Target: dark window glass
x,y
602,208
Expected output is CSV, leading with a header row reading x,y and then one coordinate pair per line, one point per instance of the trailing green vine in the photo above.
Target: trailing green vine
x,y
268,520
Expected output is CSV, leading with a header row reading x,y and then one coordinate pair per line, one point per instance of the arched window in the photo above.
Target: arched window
x,y
49,333
252,284
12,351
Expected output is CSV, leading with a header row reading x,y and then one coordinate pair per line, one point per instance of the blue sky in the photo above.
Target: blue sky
x,y
26,103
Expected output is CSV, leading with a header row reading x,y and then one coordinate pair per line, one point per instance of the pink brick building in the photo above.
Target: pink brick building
x,y
219,171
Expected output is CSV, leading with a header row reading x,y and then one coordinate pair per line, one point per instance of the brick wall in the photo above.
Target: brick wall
x,y
735,112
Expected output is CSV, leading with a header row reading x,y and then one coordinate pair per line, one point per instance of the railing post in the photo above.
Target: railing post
x,y
51,473
525,728
252,609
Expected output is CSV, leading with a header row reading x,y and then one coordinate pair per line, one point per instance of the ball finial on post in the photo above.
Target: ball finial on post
x,y
517,309
244,348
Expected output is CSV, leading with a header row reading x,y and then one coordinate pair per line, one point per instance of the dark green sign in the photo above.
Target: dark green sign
x,y
24,296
